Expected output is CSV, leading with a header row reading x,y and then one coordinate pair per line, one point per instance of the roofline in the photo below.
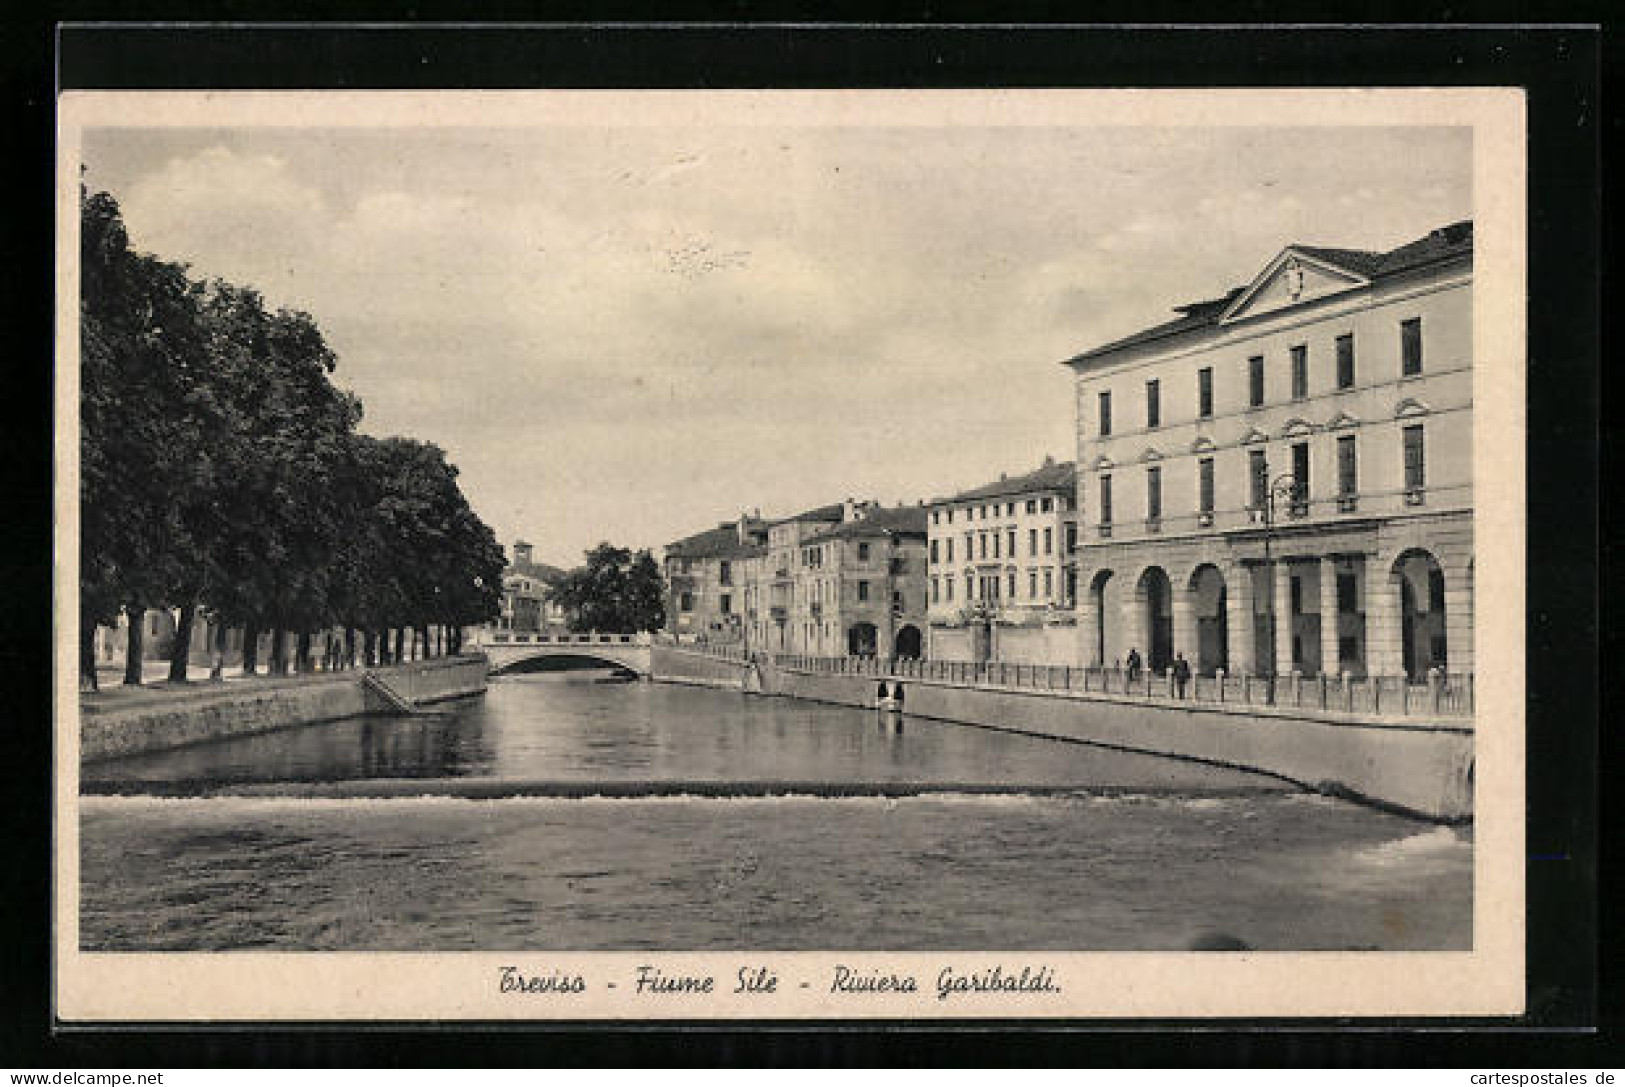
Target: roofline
x,y
1095,355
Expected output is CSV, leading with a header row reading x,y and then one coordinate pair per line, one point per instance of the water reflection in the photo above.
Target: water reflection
x,y
566,727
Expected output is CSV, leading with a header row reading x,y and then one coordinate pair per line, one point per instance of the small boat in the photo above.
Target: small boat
x,y
889,696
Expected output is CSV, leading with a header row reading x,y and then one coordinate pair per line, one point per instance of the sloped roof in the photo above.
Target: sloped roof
x,y
716,543
832,512
1445,243
880,521
1061,476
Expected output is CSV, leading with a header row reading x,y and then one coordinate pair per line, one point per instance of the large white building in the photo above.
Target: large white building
x,y
1280,479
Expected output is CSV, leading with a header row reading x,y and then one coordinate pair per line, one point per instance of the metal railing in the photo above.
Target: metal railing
x,y
1442,695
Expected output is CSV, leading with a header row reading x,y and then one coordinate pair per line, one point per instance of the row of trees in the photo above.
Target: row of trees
x,y
222,475
616,592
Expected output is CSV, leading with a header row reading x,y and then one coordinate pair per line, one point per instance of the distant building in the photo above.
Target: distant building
x,y
1323,410
704,582
527,587
860,585
1001,568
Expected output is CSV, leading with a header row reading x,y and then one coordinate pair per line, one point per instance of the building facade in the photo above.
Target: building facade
x,y
1280,480
1001,572
705,582
527,605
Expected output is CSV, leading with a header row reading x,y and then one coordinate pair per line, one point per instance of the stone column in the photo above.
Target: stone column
x,y
1185,626
1134,630
1383,653
1458,620
1283,617
1239,630
1329,665
1088,630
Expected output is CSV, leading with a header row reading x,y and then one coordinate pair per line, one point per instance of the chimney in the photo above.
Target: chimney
x,y
521,553
849,510
1049,462
1003,476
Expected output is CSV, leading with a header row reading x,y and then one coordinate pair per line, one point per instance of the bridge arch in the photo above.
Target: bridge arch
x,y
518,664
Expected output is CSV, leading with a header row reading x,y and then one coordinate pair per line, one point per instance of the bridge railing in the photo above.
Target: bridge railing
x,y
582,639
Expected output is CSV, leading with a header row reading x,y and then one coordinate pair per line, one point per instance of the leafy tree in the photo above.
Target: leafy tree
x,y
614,592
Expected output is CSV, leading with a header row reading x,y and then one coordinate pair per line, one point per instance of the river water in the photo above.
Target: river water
x,y
724,823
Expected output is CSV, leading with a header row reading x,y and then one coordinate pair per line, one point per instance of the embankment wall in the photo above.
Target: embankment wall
x,y
217,711
1413,766
670,664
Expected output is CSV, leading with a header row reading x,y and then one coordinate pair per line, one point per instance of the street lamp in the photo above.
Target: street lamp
x,y
1287,488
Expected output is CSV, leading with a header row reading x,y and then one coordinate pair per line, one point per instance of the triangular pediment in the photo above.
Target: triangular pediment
x,y
1150,455
1341,421
1297,428
1102,462
1254,435
1410,408
1290,279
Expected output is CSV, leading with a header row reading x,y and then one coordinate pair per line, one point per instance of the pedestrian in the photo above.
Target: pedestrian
x,y
1182,674
1133,665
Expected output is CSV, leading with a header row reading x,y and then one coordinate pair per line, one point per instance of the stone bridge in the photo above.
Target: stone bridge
x,y
507,648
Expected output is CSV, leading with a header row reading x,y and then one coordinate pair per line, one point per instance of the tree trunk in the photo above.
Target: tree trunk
x,y
251,648
87,654
217,661
400,644
279,651
180,652
423,636
133,645
367,638
383,647
456,640
349,647
304,652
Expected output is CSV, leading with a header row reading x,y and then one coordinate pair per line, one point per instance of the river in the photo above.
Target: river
x,y
468,828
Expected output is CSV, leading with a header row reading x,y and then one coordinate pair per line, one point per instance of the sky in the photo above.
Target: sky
x,y
631,333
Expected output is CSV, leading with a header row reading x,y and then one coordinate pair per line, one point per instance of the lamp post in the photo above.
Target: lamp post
x,y
1284,487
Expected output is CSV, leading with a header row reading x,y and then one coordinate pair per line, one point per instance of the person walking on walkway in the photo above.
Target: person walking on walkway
x,y
1182,674
1133,665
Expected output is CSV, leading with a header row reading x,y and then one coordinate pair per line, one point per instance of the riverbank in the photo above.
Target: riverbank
x,y
1416,767
126,721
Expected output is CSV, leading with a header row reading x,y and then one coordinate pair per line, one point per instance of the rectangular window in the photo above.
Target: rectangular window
x,y
1410,347
1009,509
1049,583
1300,479
1415,460
1258,477
1255,380
686,602
1347,470
936,517
1153,494
863,590
863,552
727,573
1345,361
1012,542
1153,404
934,551
1297,596
1204,392
1032,505
995,543
1105,414
1049,541
1032,541
950,515
948,550
1012,582
1071,538
1032,584
727,603
1105,500
1047,505
948,584
1300,372
981,544
1204,488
